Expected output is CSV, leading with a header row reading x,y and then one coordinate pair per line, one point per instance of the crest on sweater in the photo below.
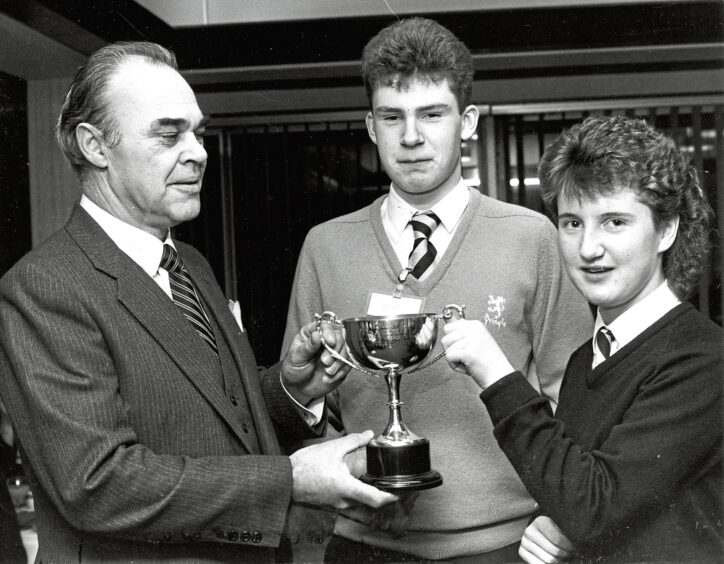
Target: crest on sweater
x,y
494,314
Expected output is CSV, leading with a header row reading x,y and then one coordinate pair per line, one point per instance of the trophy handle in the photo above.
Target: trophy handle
x,y
331,317
452,312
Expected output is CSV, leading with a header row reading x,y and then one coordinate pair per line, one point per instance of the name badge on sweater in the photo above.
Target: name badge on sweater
x,y
385,304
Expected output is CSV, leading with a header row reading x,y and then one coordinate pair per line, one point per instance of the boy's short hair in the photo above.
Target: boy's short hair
x,y
418,48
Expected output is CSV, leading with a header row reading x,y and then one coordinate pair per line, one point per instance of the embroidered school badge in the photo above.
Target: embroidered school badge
x,y
494,315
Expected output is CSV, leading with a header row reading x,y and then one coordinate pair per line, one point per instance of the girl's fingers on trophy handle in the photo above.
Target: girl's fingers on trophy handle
x,y
453,312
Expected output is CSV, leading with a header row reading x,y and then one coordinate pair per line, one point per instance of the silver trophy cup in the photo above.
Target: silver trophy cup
x,y
397,459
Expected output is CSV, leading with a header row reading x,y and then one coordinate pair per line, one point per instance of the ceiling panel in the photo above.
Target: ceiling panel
x,y
28,54
526,39
190,13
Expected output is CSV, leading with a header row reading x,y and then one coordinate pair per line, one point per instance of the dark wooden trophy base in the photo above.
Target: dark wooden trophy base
x,y
403,467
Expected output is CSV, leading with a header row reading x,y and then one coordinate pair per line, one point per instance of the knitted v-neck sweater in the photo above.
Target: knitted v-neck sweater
x,y
630,468
503,264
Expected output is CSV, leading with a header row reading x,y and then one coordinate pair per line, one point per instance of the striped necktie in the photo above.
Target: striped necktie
x,y
185,295
423,251
604,337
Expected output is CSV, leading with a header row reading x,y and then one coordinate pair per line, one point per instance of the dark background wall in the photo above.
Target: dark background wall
x,y
14,182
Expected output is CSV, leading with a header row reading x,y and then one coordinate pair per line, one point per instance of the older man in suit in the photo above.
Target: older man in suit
x,y
147,428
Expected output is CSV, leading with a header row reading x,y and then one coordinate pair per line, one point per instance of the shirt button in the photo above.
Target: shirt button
x,y
234,400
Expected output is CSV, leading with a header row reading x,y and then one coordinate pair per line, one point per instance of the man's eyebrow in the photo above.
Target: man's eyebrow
x,y
433,107
387,109
430,108
179,123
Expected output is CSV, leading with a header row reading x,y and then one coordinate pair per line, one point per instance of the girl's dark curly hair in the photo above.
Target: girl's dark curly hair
x,y
601,155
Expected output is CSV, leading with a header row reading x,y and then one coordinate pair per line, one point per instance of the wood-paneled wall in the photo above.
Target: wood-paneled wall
x,y
54,187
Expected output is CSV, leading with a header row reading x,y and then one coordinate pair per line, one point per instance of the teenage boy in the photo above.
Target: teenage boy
x,y
500,260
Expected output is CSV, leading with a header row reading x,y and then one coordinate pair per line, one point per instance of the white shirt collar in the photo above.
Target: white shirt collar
x,y
450,209
143,248
635,320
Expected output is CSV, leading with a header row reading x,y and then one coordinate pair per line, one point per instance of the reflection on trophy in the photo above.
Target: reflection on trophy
x,y
397,459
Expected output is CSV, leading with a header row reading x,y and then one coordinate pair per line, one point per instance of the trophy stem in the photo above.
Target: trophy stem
x,y
399,460
395,430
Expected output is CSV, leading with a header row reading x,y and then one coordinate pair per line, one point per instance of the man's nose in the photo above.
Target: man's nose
x,y
193,149
411,134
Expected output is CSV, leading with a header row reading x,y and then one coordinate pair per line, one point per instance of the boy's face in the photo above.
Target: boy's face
x,y
418,130
611,249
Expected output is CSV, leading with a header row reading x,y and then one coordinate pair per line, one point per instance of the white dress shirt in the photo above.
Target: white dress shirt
x,y
396,215
635,320
143,248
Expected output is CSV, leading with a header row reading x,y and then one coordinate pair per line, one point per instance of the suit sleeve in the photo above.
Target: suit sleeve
x,y
289,424
60,385
306,300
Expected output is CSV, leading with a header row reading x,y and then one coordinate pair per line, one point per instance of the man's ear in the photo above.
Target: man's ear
x,y
370,122
469,122
92,144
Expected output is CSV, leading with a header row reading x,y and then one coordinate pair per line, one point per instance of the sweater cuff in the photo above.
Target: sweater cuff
x,y
507,395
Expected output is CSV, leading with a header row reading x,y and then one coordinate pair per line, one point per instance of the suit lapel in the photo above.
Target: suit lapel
x,y
150,306
240,350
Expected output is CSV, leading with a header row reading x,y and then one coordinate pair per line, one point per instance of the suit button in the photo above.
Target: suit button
x,y
234,400
245,536
256,537
220,535
244,427
233,536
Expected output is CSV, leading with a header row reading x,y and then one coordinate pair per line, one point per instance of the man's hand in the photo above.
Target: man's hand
x,y
321,476
392,519
309,370
471,349
356,461
544,543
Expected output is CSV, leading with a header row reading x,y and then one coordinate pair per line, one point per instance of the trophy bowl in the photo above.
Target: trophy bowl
x,y
397,459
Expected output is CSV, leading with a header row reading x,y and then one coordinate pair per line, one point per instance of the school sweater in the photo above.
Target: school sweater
x,y
503,265
630,468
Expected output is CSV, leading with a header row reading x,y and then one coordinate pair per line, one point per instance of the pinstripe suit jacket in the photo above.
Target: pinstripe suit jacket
x,y
135,449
